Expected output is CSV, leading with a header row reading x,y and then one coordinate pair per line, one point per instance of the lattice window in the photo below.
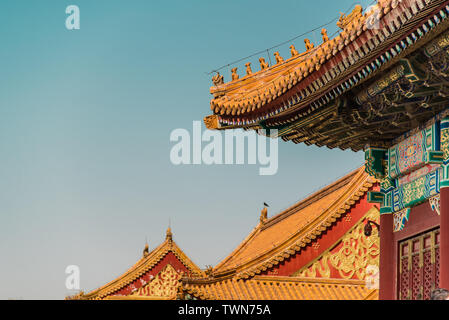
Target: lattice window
x,y
437,266
428,276
419,259
404,277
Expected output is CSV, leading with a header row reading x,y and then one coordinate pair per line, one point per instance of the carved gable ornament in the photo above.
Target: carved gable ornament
x,y
351,258
164,284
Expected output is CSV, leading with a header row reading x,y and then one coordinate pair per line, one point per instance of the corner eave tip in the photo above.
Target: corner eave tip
x,y
211,122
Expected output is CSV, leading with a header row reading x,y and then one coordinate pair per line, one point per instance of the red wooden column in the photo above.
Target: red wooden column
x,y
444,238
387,259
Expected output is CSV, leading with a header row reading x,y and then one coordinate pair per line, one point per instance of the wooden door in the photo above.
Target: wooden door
x,y
419,262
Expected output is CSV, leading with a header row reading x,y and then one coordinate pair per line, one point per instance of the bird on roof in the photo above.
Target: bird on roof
x,y
146,250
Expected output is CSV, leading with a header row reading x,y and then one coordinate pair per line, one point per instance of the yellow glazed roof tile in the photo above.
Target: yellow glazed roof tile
x,y
280,288
257,89
146,263
283,235
294,87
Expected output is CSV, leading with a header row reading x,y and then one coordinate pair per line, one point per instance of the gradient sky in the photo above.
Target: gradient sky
x,y
85,121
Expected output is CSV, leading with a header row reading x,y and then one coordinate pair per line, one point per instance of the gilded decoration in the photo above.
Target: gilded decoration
x,y
387,185
164,284
375,197
417,191
435,204
318,269
386,81
411,191
351,256
445,143
437,45
400,218
443,42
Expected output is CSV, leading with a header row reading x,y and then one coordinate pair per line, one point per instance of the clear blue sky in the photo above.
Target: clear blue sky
x,y
85,120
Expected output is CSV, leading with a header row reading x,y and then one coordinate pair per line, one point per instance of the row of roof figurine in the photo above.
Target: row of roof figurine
x,y
347,23
218,78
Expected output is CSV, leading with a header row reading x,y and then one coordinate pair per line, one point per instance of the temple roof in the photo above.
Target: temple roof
x,y
281,236
148,261
257,89
274,240
279,288
326,95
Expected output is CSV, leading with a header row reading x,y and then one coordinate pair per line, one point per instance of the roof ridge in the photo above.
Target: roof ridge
x,y
128,271
240,246
345,180
296,242
142,266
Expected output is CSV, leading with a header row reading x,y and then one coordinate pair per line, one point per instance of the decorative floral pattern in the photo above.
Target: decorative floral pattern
x,y
399,219
352,257
417,174
445,141
417,191
410,154
435,204
164,284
